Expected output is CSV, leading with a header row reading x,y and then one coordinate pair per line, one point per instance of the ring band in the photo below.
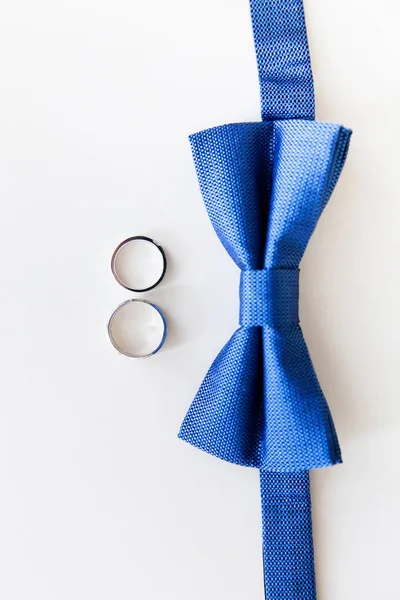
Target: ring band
x,y
118,333
116,254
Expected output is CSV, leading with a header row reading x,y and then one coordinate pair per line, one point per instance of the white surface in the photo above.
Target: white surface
x,y
99,500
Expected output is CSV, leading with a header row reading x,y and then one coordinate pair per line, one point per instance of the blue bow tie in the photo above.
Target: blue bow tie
x,y
265,186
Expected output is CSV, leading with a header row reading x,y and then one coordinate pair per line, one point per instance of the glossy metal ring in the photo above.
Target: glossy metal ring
x,y
123,246
122,335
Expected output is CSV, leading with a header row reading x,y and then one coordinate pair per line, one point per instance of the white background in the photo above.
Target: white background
x,y
98,498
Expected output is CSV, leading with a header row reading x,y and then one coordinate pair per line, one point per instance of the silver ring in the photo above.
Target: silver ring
x,y
123,279
123,333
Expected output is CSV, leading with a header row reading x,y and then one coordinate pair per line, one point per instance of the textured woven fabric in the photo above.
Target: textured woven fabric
x,y
269,297
286,83
287,536
265,186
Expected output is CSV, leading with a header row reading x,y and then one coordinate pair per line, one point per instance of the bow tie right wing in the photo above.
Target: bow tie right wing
x,y
308,158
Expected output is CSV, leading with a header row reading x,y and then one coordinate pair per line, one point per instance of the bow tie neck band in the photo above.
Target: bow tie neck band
x,y
265,186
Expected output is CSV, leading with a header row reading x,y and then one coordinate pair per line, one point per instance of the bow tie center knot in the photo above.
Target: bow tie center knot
x,y
269,297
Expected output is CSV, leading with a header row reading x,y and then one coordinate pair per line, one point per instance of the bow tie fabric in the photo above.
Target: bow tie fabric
x,y
265,186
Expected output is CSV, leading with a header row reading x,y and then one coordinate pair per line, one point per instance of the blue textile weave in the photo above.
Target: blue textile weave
x,y
287,536
283,59
265,186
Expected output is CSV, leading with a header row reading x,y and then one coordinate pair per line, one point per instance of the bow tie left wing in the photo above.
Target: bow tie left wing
x,y
233,165
234,168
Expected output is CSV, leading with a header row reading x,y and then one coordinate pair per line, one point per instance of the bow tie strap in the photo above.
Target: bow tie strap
x,y
283,59
287,536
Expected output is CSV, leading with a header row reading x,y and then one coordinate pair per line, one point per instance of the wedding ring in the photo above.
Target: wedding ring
x,y
138,263
137,328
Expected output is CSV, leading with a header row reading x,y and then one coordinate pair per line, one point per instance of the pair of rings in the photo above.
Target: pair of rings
x,y
138,328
